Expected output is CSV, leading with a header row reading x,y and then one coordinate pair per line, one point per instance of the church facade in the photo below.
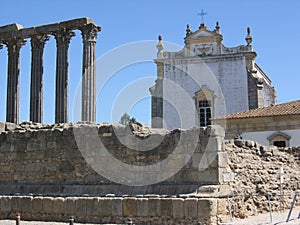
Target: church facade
x,y
206,80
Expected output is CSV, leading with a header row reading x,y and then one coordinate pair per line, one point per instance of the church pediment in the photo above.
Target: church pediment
x,y
203,35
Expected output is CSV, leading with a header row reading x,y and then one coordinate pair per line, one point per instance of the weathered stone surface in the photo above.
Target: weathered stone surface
x,y
105,207
178,208
2,127
80,206
48,204
190,207
142,207
207,207
70,205
5,203
92,206
166,207
129,207
154,206
25,203
37,204
59,205
116,207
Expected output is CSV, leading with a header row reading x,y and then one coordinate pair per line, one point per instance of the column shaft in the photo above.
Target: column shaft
x,y
89,35
13,79
37,67
63,38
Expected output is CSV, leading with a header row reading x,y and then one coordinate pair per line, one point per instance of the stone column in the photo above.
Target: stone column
x,y
63,38
13,79
36,88
89,35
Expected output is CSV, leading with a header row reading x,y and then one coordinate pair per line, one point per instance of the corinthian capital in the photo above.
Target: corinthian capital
x,y
14,44
63,37
38,42
89,32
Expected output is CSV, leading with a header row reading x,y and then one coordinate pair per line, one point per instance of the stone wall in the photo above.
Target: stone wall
x,y
143,210
256,169
46,159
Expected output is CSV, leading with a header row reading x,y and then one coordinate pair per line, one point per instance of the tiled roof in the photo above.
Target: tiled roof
x,y
287,108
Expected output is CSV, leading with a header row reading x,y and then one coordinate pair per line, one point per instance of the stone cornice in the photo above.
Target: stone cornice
x,y
16,30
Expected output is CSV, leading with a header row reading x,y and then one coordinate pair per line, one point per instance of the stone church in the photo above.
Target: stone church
x,y
205,80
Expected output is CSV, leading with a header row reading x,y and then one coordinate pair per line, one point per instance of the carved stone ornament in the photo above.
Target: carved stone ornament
x,y
14,44
63,37
38,42
89,32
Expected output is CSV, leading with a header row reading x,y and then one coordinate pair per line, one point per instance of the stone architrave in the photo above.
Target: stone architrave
x,y
37,67
13,79
89,35
63,38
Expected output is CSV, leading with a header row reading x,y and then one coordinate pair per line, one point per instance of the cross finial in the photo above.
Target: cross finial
x,y
202,14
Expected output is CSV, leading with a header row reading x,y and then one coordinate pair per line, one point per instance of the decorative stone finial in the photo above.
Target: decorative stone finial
x,y
160,47
188,30
248,37
217,27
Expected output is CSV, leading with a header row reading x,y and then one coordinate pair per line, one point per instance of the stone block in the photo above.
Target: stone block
x,y
5,203
228,177
213,144
15,204
105,207
166,207
154,206
116,207
48,204
142,206
80,207
207,207
70,205
37,204
10,126
25,203
10,27
75,23
190,207
46,29
129,206
222,159
27,32
92,206
2,127
215,130
59,205
178,208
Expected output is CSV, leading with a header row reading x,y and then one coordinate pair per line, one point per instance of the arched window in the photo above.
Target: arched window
x,y
279,139
204,101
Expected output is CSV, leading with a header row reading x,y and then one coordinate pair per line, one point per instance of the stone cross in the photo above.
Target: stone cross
x,y
202,14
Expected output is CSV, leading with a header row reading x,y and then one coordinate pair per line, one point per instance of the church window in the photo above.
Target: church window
x,y
204,113
279,139
204,102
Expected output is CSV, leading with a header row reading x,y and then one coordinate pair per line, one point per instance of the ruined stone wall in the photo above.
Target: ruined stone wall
x,y
39,158
256,171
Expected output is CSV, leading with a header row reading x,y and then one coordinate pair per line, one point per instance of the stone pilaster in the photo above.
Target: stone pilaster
x,y
89,35
13,79
63,38
37,67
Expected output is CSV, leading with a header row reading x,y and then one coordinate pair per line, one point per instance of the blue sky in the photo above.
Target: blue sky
x,y
274,28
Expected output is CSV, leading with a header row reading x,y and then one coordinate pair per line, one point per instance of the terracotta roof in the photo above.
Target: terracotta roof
x,y
287,108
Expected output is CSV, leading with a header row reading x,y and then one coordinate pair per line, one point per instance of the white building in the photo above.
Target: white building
x,y
205,80
277,125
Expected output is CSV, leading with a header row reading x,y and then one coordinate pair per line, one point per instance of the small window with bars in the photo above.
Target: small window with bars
x,y
204,113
